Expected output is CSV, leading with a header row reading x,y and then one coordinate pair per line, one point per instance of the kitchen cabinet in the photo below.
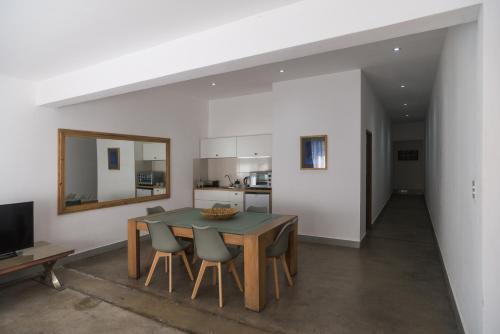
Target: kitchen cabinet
x,y
218,147
154,151
254,146
205,199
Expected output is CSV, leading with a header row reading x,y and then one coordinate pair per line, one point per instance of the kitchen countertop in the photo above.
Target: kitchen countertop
x,y
237,189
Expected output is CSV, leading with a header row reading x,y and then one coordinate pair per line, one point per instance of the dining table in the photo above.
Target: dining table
x,y
254,232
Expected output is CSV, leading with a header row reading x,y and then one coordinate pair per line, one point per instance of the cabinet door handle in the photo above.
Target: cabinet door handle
x,y
216,155
255,154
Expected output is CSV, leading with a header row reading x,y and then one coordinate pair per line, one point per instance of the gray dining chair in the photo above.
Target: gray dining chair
x,y
154,210
257,209
213,251
166,245
277,250
220,205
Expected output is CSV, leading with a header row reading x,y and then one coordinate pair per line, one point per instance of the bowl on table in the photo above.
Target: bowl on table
x,y
219,213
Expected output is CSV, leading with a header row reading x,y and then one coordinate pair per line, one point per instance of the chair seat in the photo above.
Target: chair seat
x,y
233,252
183,244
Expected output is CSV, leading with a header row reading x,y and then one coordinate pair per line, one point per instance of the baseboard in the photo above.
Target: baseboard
x,y
38,270
330,241
447,280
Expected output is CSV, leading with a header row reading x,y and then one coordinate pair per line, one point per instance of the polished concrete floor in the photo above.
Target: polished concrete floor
x,y
393,284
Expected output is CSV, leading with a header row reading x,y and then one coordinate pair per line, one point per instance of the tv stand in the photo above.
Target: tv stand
x,y
42,253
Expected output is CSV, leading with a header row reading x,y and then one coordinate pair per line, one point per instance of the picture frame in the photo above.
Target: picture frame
x,y
114,158
314,152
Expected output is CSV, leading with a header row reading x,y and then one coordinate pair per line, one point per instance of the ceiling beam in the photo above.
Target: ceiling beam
x,y
297,30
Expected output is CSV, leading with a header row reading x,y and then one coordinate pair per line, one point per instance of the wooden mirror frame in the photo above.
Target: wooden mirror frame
x,y
63,133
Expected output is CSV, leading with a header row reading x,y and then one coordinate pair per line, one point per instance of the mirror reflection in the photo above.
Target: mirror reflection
x,y
100,171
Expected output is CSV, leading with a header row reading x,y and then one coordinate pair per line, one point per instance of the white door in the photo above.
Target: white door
x,y
218,147
254,146
154,151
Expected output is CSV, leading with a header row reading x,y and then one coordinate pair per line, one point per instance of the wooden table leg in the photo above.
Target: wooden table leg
x,y
291,254
255,272
134,252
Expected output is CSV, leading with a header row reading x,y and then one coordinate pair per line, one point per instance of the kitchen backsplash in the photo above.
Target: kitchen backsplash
x,y
216,169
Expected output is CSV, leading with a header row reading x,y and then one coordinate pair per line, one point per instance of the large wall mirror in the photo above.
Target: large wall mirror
x,y
98,170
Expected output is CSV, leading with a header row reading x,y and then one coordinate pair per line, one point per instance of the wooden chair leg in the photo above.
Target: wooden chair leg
x,y
187,265
166,264
287,272
276,282
149,260
219,270
153,267
169,272
232,269
198,279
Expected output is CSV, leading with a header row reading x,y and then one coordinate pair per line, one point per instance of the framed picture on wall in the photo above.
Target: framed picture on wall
x,y
114,158
313,152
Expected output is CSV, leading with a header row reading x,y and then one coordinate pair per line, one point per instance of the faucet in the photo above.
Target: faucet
x,y
230,182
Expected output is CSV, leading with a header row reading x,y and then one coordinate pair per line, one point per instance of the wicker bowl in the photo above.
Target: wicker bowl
x,y
219,213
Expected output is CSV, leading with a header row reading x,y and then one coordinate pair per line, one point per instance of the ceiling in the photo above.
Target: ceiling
x,y
414,66
42,39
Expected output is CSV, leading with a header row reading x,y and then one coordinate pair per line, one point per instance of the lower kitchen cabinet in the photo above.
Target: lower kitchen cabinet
x,y
205,199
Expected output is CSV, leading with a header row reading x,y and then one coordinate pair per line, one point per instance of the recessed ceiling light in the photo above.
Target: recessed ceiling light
x,y
213,84
403,86
396,49
282,71
405,104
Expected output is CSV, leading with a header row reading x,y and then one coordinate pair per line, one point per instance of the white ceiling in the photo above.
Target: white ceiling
x,y
414,66
41,39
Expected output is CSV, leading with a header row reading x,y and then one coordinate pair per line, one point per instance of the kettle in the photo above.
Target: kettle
x,y
245,181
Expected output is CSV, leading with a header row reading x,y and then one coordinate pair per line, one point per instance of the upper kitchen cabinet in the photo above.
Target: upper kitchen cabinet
x,y
153,151
254,146
218,147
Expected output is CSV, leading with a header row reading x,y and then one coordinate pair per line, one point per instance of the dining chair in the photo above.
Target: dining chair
x,y
166,245
213,251
277,250
220,205
257,209
154,210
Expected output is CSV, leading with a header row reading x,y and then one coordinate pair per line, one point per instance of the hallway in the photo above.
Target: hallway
x,y
393,284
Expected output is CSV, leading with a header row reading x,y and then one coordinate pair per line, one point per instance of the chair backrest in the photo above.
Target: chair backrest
x,y
209,244
220,205
155,210
280,243
162,237
257,209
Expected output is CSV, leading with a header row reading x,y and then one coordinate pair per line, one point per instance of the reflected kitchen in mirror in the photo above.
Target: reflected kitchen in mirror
x,y
101,169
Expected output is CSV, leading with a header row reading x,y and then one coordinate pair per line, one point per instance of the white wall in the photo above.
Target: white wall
x,y
452,162
409,174
81,167
328,201
375,119
113,184
408,131
241,115
34,131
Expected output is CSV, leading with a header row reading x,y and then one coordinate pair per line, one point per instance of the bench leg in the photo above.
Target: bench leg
x,y
49,277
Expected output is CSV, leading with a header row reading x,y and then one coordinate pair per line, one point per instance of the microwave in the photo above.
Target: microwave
x,y
260,179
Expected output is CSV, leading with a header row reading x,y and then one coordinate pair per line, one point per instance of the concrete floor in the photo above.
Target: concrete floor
x,y
394,284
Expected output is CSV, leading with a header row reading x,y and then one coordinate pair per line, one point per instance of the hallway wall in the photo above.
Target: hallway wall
x,y
453,144
375,119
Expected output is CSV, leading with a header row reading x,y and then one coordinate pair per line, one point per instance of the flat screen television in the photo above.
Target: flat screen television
x,y
16,227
